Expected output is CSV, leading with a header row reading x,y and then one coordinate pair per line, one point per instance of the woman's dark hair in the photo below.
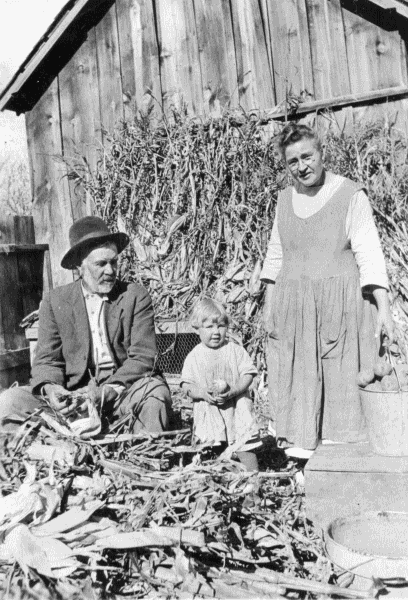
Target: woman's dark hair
x,y
292,133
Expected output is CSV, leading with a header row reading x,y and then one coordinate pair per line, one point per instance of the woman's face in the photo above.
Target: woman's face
x,y
304,162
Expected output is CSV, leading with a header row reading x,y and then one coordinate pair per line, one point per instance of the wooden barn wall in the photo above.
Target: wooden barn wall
x,y
249,53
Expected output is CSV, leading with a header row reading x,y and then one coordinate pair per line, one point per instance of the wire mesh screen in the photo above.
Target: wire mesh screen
x,y
173,349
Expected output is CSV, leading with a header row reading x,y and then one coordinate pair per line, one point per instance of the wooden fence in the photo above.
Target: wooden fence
x,y
21,289
254,54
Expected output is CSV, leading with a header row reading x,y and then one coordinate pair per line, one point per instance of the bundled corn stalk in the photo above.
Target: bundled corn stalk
x,y
198,197
376,155
147,516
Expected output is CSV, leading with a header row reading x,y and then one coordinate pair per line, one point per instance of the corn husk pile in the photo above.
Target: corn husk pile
x,y
152,516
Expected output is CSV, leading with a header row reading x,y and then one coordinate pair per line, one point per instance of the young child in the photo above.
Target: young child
x,y
216,375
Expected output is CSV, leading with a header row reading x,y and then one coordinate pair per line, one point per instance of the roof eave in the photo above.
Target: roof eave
x,y
66,22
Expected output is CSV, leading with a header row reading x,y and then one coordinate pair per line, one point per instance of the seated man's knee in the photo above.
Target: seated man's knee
x,y
17,401
153,412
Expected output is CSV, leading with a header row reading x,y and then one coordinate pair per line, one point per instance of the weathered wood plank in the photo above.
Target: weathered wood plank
x,y
30,269
139,56
21,276
290,43
393,113
24,230
51,199
255,79
374,54
7,233
334,495
12,336
340,479
355,458
80,116
10,360
321,50
264,8
30,266
391,94
339,75
217,54
21,248
400,110
328,48
109,74
179,58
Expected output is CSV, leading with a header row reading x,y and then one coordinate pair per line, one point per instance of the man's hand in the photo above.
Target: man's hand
x,y
107,392
59,398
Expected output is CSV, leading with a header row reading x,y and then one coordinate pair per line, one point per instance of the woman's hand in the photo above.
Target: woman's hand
x,y
385,323
268,305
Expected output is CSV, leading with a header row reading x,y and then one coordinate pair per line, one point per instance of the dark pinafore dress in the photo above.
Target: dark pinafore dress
x,y
322,330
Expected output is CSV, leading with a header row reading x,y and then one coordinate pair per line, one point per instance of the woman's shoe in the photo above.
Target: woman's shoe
x,y
298,453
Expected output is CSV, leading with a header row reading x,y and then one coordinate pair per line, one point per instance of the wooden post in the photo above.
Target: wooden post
x,y
21,287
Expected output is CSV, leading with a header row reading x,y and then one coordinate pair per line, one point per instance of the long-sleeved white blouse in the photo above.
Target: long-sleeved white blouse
x,y
360,230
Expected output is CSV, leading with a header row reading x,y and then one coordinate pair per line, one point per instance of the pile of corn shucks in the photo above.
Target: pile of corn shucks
x,y
151,516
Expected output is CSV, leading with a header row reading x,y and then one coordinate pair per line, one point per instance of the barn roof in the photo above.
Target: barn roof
x,y
67,32
52,52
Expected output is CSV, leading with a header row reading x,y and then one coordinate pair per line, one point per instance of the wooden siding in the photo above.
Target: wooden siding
x,y
208,54
52,208
216,50
139,55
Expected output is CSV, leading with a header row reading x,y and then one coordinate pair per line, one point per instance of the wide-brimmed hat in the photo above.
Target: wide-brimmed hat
x,y
86,233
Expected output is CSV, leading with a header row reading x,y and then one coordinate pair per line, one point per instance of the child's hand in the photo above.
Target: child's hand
x,y
221,399
214,400
197,393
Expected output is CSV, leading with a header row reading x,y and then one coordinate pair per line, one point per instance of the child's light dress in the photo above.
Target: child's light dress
x,y
234,420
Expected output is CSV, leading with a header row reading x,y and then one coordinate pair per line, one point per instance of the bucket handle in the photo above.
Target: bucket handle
x,y
394,369
392,581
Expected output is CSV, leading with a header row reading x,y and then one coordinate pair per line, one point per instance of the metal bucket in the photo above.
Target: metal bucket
x,y
386,415
372,544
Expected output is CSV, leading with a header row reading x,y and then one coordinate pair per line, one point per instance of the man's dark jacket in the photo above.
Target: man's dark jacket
x,y
64,350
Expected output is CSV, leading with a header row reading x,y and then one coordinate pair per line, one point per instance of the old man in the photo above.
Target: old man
x,y
96,327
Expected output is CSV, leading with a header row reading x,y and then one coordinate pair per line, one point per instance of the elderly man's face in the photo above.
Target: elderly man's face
x,y
99,269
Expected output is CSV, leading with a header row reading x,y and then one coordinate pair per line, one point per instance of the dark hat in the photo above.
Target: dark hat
x,y
89,232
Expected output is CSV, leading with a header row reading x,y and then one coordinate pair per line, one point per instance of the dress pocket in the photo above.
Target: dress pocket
x,y
272,318
333,319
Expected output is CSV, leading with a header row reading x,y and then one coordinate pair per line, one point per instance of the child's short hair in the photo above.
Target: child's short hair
x,y
206,309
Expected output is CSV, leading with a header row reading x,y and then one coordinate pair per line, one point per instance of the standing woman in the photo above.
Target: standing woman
x,y
326,299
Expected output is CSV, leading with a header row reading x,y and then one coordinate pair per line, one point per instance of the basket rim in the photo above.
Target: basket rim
x,y
382,391
328,533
